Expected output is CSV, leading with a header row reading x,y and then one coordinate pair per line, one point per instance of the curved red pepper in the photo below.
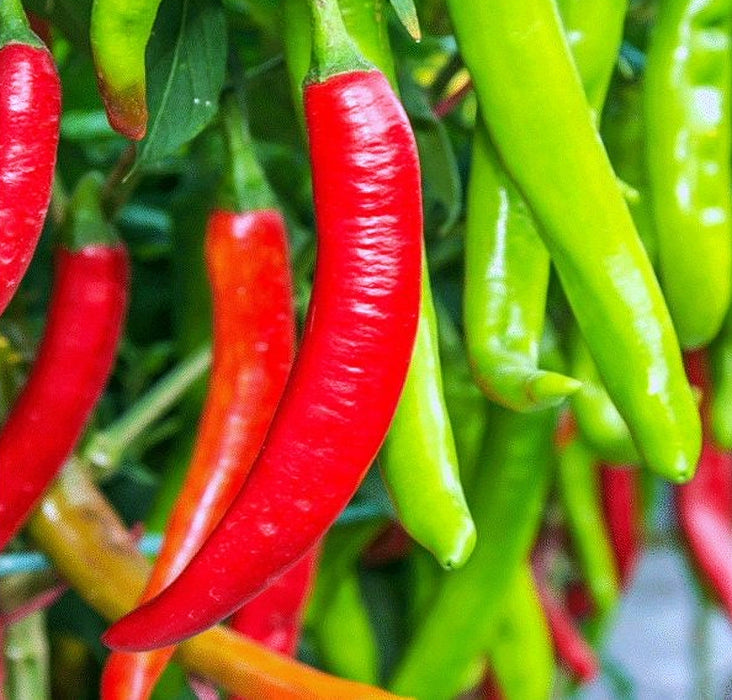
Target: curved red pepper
x,y
254,343
274,617
348,375
74,360
30,108
619,489
572,649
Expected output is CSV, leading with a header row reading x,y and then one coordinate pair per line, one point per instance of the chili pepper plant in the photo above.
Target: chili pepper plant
x,y
362,348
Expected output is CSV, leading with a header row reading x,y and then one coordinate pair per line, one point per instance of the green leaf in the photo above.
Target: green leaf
x,y
407,13
186,66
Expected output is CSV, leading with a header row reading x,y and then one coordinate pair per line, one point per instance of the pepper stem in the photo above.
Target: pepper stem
x,y
14,25
85,222
245,187
333,49
105,449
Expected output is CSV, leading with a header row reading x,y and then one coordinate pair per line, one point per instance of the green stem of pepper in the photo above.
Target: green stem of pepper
x,y
367,25
104,450
333,50
27,658
86,223
297,40
245,187
14,25
120,182
25,644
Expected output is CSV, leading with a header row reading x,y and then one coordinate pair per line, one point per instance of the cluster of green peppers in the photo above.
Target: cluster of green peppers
x,y
560,175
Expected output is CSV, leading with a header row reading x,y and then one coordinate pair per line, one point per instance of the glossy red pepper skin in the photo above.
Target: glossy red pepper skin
x,y
248,265
274,617
619,491
30,109
75,358
348,375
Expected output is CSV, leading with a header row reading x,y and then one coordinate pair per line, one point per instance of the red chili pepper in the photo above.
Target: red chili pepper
x,y
74,359
619,489
704,505
30,108
572,649
254,340
274,617
253,347
348,375
705,516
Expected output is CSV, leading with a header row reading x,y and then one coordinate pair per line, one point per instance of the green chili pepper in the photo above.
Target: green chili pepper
x,y
507,265
687,104
343,634
507,501
579,490
594,31
720,361
521,653
506,279
532,100
429,499
623,133
432,508
599,422
119,33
